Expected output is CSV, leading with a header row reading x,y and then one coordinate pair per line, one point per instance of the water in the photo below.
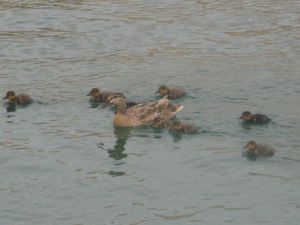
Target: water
x,y
61,161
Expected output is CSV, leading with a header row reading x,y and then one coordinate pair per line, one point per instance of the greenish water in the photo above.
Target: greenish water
x,y
61,160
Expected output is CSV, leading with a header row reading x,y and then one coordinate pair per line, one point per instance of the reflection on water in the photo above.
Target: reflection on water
x,y
115,173
94,104
122,135
10,107
176,136
246,126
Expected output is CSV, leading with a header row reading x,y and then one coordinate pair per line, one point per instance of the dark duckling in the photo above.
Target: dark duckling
x,y
161,122
172,93
257,118
180,127
21,99
254,150
97,96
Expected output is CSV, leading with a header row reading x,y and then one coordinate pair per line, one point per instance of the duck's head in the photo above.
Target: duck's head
x,y
251,146
94,93
114,96
176,125
116,100
246,116
163,90
10,95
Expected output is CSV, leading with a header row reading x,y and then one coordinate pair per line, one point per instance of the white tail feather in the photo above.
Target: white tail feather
x,y
180,108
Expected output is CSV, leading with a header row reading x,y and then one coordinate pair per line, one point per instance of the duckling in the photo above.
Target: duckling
x,y
161,122
180,127
257,118
97,96
21,99
141,114
254,150
172,93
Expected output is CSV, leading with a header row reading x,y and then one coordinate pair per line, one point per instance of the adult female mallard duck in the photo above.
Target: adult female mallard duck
x,y
256,118
142,114
21,99
254,150
97,96
172,93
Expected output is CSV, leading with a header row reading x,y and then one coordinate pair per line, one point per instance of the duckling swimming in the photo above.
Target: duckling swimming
x,y
180,127
142,114
254,150
21,99
172,93
97,96
257,118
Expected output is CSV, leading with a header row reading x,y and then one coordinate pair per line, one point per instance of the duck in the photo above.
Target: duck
x,y
172,93
21,99
97,96
184,128
143,113
161,122
256,118
254,150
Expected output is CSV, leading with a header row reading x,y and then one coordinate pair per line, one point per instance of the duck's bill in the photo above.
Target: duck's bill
x,y
89,94
246,146
4,98
157,92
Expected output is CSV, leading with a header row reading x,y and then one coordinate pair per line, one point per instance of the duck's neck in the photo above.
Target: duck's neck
x,y
122,109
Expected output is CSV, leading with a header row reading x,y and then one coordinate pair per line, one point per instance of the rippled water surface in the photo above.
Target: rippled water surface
x,y
61,160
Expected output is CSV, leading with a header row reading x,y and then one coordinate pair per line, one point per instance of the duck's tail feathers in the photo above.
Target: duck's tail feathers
x,y
178,108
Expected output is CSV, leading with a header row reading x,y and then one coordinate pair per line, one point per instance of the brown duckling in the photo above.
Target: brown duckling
x,y
97,96
21,99
172,93
141,114
161,122
180,127
257,118
254,150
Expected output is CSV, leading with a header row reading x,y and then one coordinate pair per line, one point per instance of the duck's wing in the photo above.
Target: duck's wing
x,y
23,99
265,149
177,92
261,118
147,112
148,107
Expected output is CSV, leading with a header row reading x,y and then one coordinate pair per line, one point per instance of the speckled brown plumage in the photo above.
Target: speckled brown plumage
x,y
142,114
